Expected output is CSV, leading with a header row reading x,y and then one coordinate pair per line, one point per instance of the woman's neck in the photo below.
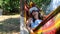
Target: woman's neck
x,y
36,17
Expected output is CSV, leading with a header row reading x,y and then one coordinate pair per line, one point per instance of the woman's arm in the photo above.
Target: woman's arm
x,y
27,26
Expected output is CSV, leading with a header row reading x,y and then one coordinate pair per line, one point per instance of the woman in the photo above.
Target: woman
x,y
35,19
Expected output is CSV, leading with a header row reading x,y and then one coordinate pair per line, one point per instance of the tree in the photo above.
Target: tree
x,y
1,3
10,5
41,3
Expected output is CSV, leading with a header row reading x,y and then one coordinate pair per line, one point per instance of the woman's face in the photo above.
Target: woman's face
x,y
34,13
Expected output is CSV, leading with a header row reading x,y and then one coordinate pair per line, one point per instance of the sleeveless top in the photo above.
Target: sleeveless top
x,y
36,23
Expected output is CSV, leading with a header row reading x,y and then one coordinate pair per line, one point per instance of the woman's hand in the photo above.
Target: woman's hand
x,y
27,26
30,30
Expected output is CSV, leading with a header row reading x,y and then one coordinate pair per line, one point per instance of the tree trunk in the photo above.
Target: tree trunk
x,y
23,29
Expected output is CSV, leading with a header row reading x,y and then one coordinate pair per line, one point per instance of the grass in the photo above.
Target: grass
x,y
9,24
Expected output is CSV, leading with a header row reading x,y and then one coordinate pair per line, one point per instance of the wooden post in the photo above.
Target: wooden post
x,y
23,29
21,21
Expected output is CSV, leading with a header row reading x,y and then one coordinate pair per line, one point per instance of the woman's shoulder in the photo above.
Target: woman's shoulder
x,y
38,21
29,20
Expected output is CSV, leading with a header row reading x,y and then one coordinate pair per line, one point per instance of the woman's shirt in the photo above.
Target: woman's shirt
x,y
36,23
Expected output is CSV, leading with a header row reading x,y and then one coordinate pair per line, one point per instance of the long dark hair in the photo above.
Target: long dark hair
x,y
39,16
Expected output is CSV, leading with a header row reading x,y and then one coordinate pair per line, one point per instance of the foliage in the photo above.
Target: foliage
x,y
42,3
1,3
14,5
10,5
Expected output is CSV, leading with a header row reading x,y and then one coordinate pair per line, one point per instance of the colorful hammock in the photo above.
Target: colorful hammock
x,y
51,26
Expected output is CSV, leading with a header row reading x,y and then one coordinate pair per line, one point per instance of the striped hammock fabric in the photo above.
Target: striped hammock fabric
x,y
51,26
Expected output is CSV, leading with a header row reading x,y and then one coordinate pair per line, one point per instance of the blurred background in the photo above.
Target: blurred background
x,y
9,17
10,6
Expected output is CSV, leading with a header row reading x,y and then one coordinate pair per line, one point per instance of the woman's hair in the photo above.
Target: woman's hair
x,y
39,16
